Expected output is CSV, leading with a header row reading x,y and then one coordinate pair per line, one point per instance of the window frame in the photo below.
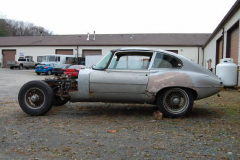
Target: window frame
x,y
150,62
164,53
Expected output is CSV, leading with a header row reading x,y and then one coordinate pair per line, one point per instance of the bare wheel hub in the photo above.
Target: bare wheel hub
x,y
176,101
34,98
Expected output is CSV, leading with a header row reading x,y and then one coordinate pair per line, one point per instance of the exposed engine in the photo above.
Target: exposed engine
x,y
62,86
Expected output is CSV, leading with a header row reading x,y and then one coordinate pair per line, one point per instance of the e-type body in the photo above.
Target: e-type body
x,y
127,75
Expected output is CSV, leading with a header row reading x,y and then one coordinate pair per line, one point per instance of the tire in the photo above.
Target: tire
x,y
20,67
49,72
56,74
11,67
35,98
27,68
38,73
175,102
57,101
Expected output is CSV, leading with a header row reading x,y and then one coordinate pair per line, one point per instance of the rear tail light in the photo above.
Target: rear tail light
x,y
45,67
15,62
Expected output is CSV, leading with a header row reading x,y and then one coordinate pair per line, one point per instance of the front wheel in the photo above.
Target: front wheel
x,y
20,67
35,98
175,102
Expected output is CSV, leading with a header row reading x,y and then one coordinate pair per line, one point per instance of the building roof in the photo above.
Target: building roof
x,y
230,13
107,40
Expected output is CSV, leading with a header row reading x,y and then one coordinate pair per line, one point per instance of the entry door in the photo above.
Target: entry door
x,y
119,81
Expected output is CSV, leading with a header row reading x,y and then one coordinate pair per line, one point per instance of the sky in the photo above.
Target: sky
x,y
64,17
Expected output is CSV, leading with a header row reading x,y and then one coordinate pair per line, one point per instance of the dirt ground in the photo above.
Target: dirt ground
x,y
121,131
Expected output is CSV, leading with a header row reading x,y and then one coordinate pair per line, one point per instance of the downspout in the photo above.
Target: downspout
x,y
203,58
222,41
77,56
198,55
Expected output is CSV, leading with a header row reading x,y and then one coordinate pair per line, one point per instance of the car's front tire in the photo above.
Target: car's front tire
x,y
38,73
175,102
35,98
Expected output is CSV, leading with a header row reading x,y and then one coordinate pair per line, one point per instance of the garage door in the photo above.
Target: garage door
x,y
8,55
219,54
64,51
91,52
233,43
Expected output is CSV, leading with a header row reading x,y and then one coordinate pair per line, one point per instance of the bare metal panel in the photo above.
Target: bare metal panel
x,y
83,83
118,81
120,76
113,88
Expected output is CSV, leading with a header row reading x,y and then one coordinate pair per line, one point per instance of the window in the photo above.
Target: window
x,y
22,59
134,60
104,62
166,61
40,58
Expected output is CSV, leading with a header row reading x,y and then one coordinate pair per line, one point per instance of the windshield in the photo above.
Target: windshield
x,y
104,62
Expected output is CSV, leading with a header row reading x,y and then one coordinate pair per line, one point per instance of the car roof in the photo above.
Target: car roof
x,y
148,49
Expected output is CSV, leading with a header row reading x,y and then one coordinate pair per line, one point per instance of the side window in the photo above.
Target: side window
x,y
166,61
134,61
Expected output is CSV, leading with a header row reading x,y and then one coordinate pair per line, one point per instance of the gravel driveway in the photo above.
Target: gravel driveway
x,y
116,131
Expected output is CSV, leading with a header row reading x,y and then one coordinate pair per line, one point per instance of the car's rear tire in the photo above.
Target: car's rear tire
x,y
49,72
35,98
11,67
56,74
20,67
38,73
175,102
57,101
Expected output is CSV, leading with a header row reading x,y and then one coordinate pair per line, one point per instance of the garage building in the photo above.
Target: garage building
x,y
188,45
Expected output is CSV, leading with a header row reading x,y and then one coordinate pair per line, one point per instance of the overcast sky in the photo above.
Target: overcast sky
x,y
119,16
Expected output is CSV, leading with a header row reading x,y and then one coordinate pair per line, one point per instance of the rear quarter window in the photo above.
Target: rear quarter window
x,y
166,61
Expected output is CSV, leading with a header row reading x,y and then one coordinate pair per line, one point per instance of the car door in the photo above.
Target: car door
x,y
125,80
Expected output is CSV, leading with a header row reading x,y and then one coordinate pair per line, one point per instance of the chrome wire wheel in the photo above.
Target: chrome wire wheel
x,y
34,98
175,101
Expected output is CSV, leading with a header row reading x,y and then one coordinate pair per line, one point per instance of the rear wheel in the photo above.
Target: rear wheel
x,y
56,74
11,67
35,98
38,73
175,102
20,67
49,72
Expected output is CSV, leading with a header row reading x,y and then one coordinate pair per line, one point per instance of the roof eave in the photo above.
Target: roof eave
x,y
231,12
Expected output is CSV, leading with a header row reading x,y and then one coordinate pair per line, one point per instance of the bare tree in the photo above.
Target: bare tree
x,y
10,27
